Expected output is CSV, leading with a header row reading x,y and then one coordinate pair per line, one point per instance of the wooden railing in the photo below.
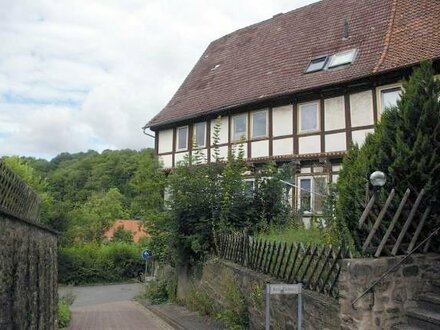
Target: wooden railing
x,y
16,197
317,267
397,225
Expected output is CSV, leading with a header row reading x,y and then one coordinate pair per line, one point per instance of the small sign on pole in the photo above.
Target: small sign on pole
x,y
283,289
146,254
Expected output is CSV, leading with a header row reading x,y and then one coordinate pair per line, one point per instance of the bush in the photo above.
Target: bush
x,y
94,263
162,289
63,315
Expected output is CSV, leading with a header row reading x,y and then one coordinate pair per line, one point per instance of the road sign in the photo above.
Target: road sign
x,y
285,288
146,254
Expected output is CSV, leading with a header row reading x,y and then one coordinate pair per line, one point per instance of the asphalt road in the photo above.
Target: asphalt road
x,y
111,307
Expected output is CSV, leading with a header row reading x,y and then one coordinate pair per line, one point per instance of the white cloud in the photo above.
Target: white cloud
x,y
82,74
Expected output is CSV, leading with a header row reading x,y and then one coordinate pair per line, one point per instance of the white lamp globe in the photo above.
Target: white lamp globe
x,y
378,179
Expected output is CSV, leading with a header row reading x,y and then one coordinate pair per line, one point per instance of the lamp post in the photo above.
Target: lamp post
x,y
377,180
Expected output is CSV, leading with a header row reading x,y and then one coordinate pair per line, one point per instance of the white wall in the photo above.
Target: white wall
x,y
334,113
309,144
282,119
335,142
166,160
359,136
224,130
179,157
223,151
282,147
361,109
165,141
260,149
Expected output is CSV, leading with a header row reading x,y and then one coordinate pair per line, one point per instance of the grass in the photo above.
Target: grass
x,y
294,234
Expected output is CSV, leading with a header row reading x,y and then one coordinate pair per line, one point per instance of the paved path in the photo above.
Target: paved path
x,y
110,307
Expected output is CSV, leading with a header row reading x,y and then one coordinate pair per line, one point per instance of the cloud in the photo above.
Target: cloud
x,y
80,74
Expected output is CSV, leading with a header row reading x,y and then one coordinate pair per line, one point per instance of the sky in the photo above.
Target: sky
x,y
88,74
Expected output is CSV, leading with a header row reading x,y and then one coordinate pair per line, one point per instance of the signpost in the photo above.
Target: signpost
x,y
146,254
284,289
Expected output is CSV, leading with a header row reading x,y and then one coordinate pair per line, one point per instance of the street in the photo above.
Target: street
x,y
111,307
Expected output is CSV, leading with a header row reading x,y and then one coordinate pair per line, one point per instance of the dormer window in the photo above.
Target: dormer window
x,y
342,58
317,64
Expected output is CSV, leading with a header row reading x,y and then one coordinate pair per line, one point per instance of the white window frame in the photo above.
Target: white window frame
x,y
320,59
318,124
234,138
178,139
313,192
332,60
265,135
379,92
195,135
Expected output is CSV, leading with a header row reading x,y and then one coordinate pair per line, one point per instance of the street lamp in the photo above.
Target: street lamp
x,y
378,179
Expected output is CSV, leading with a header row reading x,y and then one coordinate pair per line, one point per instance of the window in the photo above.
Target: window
x,y
311,193
389,98
317,64
182,138
308,117
259,124
345,57
199,135
239,127
249,186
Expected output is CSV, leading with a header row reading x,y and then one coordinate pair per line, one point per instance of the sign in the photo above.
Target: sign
x,y
146,254
285,288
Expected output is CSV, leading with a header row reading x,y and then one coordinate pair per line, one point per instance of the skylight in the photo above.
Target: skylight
x,y
345,57
317,64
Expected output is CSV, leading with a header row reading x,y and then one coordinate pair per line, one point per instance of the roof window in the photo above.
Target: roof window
x,y
317,64
345,57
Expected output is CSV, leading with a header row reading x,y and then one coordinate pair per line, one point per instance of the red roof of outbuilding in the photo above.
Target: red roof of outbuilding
x,y
269,59
136,227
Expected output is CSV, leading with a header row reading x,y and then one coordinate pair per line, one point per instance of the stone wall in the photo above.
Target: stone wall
x,y
386,304
28,259
223,281
28,275
384,307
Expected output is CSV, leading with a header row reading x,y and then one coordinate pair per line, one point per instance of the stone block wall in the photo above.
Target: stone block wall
x,y
385,306
28,275
223,281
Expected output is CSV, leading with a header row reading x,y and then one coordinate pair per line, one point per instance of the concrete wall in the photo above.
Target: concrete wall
x,y
386,304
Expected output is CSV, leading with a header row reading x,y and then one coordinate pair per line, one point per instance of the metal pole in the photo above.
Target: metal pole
x,y
146,266
300,308
267,306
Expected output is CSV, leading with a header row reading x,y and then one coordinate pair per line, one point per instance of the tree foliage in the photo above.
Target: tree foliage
x,y
405,146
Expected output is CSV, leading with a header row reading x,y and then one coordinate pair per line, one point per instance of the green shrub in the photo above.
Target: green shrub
x,y
63,315
94,263
163,288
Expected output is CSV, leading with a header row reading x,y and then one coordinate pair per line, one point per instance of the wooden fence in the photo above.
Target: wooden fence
x,y
316,267
397,225
17,198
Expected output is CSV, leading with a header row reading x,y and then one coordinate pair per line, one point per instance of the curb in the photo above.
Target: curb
x,y
176,325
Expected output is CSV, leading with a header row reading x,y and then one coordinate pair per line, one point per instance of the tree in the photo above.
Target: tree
x,y
122,235
405,145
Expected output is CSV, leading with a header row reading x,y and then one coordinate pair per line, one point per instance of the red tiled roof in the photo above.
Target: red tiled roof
x,y
135,226
268,59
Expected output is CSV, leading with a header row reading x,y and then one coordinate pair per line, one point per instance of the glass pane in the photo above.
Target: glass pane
x,y
317,64
182,137
239,127
259,124
342,58
305,196
309,119
319,189
390,98
199,134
